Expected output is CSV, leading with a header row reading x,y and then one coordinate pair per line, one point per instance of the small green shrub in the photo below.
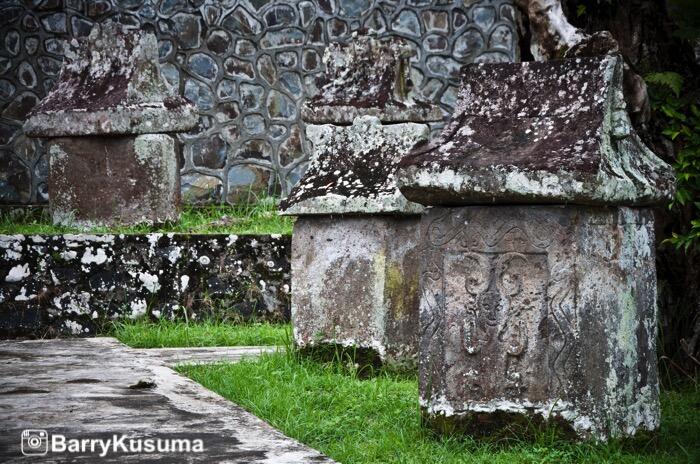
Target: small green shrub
x,y
680,116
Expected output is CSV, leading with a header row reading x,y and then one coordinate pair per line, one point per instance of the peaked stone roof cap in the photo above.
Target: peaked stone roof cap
x,y
367,77
538,132
353,169
110,83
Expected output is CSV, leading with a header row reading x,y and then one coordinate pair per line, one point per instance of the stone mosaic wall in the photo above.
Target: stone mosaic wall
x,y
74,284
247,64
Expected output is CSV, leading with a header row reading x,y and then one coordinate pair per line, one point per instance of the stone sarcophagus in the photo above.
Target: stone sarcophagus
x,y
107,120
539,312
538,284
354,256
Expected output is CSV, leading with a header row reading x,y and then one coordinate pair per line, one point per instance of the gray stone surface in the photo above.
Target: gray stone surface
x,y
96,388
105,181
352,170
463,33
74,285
356,284
552,132
532,313
110,83
368,77
201,355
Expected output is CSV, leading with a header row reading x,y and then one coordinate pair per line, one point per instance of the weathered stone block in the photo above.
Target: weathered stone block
x,y
356,284
110,83
369,78
355,277
354,247
534,313
113,180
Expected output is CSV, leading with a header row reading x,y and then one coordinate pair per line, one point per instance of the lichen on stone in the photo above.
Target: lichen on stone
x,y
110,83
353,169
367,77
552,132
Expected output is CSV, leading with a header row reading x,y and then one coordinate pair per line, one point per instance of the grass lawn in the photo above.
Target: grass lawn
x,y
166,334
249,218
377,420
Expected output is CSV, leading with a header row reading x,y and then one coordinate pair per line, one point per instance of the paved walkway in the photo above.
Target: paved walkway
x,y
96,388
173,356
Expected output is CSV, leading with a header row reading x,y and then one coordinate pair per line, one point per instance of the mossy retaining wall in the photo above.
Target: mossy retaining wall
x,y
74,284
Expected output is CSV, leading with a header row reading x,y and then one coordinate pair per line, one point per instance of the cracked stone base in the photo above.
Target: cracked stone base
x,y
539,313
356,284
104,181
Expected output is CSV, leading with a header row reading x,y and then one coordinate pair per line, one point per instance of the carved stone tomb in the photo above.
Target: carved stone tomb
x,y
354,258
107,118
543,311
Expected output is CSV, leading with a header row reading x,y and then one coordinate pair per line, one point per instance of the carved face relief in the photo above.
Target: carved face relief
x,y
497,305
496,301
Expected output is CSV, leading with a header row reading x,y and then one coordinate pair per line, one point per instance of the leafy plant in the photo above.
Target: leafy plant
x,y
681,125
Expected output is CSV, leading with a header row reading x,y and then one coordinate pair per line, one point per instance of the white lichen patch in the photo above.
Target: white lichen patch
x,y
22,296
18,273
174,254
94,257
149,281
73,327
68,255
184,281
138,309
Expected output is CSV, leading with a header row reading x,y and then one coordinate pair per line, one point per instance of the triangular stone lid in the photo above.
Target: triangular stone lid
x,y
110,83
538,132
367,77
353,169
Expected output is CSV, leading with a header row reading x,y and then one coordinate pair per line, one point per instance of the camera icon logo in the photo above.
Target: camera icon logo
x,y
35,442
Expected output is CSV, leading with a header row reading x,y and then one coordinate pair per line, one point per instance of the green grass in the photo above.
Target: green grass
x,y
167,334
377,420
250,218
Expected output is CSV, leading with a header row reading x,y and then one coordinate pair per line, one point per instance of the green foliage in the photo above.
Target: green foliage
x,y
672,81
686,15
260,217
167,334
681,125
355,419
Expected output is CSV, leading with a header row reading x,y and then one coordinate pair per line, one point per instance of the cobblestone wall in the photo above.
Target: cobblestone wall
x,y
247,64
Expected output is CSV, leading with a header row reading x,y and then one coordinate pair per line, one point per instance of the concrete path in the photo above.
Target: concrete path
x,y
97,390
174,356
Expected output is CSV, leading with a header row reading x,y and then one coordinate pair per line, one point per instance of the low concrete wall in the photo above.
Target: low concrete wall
x,y
53,285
